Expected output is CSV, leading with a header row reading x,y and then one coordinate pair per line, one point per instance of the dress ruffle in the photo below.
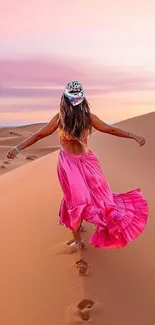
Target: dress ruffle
x,y
118,218
130,220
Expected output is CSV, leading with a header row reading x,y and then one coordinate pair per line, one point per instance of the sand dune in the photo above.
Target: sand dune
x,y
11,141
40,286
24,130
12,136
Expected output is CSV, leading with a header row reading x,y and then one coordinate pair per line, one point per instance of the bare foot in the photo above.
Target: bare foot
x,y
70,241
77,245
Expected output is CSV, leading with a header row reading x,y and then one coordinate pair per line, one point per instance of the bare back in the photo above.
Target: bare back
x,y
73,145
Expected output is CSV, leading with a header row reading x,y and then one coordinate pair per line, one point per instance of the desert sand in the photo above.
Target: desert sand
x,y
11,136
39,281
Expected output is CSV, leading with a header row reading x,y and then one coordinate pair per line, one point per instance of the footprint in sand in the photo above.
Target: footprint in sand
x,y
85,307
15,134
6,162
31,157
85,311
2,166
82,267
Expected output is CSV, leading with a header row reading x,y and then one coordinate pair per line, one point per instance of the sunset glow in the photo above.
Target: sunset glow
x,y
109,45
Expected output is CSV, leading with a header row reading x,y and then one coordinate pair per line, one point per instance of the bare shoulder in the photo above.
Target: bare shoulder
x,y
93,116
54,119
99,125
95,120
49,128
56,116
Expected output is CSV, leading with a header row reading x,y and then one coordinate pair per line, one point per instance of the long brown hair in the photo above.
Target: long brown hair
x,y
74,119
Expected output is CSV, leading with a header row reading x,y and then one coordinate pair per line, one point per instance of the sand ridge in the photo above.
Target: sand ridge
x,y
39,286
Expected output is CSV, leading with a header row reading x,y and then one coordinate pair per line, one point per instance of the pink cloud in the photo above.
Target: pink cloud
x,y
39,71
57,72
27,79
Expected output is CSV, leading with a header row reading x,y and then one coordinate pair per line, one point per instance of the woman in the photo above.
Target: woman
x,y
118,218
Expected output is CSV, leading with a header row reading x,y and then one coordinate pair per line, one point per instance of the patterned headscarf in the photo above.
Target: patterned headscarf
x,y
74,93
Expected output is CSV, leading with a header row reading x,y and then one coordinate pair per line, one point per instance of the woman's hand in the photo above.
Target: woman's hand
x,y
140,140
12,153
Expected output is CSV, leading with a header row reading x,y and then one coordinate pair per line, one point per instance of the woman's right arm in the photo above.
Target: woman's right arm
x,y
47,130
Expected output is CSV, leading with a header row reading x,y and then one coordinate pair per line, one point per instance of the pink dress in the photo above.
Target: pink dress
x,y
118,218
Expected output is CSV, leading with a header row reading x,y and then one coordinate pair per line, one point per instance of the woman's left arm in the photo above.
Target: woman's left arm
x,y
105,128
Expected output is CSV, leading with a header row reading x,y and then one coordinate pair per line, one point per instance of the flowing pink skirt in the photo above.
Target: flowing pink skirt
x,y
118,218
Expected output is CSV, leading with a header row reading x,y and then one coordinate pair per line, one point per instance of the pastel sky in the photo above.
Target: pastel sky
x,y
108,44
